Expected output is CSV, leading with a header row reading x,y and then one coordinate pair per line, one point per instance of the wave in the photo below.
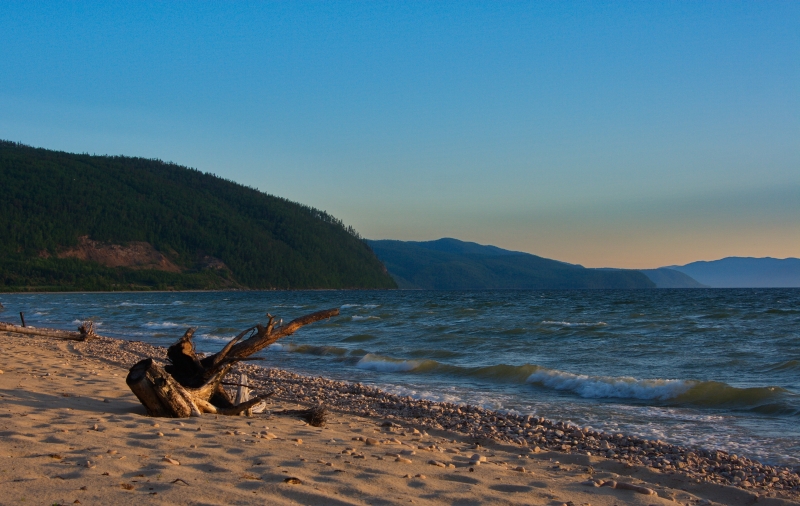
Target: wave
x,y
789,365
782,311
308,349
657,391
162,325
714,394
599,387
214,337
358,338
356,317
575,324
80,322
378,363
347,306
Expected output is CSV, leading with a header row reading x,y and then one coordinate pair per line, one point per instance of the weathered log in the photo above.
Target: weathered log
x,y
140,380
189,385
162,395
83,333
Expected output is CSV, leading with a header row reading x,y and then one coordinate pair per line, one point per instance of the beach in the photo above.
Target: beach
x,y
73,433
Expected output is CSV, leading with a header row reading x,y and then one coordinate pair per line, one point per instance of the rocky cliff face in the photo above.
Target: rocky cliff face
x,y
134,255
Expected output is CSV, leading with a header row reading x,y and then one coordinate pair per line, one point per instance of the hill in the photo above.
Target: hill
x,y
450,264
80,222
745,272
665,277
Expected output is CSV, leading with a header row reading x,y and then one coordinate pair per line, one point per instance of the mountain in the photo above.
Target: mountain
x,y
670,278
450,264
745,272
80,222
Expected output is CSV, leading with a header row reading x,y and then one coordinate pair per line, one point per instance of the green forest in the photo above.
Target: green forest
x,y
51,199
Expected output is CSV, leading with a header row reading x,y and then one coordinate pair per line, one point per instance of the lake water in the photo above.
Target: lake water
x,y
718,368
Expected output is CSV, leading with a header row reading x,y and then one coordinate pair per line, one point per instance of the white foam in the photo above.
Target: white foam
x,y
162,325
282,347
80,322
414,393
600,387
346,306
213,337
575,324
356,317
372,362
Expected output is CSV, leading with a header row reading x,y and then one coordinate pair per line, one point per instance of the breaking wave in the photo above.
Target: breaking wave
x,y
598,387
378,363
714,394
162,325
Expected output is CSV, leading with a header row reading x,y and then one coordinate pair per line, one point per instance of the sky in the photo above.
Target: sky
x,y
608,134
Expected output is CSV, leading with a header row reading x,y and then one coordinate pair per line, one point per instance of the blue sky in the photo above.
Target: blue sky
x,y
608,134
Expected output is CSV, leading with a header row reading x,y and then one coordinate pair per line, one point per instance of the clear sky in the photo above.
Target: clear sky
x,y
616,134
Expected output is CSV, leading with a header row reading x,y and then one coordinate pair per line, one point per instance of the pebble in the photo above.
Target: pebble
x,y
436,463
298,440
372,441
171,461
404,461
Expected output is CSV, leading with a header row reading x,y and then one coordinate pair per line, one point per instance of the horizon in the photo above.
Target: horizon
x,y
620,135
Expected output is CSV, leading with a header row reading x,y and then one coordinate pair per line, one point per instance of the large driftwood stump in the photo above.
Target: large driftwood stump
x,y
189,385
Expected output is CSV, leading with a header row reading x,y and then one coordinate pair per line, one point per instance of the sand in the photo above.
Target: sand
x,y
71,432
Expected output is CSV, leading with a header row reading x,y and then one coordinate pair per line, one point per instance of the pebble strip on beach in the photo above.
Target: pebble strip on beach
x,y
534,433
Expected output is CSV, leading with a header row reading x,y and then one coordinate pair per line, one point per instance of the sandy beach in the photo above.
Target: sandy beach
x,y
73,433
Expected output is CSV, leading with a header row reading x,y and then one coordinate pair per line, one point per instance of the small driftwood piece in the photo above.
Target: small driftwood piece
x,y
315,416
190,385
84,333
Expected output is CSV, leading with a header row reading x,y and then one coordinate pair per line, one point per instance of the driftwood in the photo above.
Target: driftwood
x,y
190,385
84,333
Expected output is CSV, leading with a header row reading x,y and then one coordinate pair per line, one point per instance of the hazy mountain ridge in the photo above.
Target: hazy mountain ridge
x,y
665,277
80,222
450,264
744,272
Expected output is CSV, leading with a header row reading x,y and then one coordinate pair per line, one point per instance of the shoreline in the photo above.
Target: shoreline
x,y
532,434
576,461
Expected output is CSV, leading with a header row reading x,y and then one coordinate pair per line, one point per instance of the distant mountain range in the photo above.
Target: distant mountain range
x,y
745,272
450,264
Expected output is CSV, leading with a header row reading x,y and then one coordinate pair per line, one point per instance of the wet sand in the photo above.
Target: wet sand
x,y
71,432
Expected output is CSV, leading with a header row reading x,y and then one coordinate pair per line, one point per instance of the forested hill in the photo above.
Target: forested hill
x,y
81,222
450,264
